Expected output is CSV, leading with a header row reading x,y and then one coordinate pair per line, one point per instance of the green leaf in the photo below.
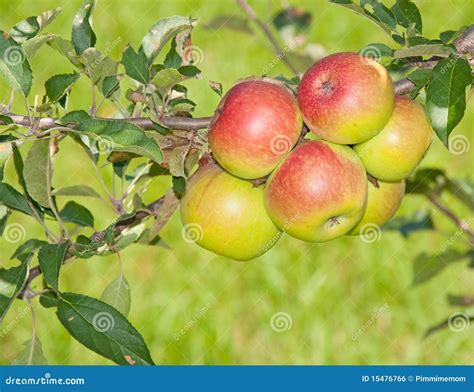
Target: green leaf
x,y
14,66
110,86
420,221
74,117
420,78
424,50
427,266
181,105
65,47
176,161
77,190
383,14
5,150
49,299
117,295
75,213
59,85
407,13
13,199
451,35
50,257
97,66
128,236
446,95
361,11
37,172
179,185
30,27
101,328
83,36
135,65
161,32
32,354
173,59
4,215
167,78
11,283
31,46
28,249
122,136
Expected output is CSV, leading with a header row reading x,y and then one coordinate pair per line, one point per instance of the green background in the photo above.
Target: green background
x,y
329,291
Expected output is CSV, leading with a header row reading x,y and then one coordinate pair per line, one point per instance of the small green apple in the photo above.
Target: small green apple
x,y
398,149
382,203
226,215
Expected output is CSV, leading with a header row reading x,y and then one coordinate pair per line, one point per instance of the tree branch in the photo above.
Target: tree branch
x,y
268,34
462,225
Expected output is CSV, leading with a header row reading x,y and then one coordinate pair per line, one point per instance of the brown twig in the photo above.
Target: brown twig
x,y
462,225
268,34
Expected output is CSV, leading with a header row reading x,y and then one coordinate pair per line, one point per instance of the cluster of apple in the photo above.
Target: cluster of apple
x,y
318,190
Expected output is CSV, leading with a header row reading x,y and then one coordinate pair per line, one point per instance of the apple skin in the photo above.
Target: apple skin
x,y
256,124
318,192
398,149
346,98
228,214
382,203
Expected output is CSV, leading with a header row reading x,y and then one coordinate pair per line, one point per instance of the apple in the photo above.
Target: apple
x,y
226,215
398,149
382,203
318,192
256,124
346,98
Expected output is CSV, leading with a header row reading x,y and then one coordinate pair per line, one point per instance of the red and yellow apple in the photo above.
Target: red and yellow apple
x,y
226,215
382,203
346,98
397,150
318,192
256,124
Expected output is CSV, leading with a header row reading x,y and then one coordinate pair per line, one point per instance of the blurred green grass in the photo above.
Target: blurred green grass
x,y
329,290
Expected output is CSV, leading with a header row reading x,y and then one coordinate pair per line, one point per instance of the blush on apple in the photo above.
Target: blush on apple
x,y
346,98
256,124
318,192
